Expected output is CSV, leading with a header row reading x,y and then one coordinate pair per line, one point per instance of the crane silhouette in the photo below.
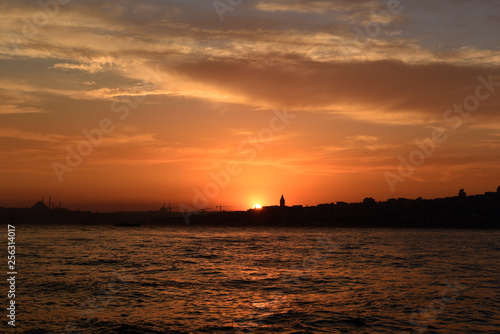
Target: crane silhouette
x,y
169,208
226,206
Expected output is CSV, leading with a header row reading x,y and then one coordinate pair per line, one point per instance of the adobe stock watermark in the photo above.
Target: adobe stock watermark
x,y
121,107
453,119
32,25
221,7
428,315
220,179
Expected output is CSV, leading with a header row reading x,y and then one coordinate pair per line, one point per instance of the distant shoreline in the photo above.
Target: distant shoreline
x,y
477,212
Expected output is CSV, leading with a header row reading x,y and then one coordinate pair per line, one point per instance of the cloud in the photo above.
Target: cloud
x,y
309,64
363,138
279,54
91,68
384,91
14,109
315,6
34,136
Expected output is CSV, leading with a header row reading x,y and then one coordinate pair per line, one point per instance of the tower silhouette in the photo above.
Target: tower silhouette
x,y
282,201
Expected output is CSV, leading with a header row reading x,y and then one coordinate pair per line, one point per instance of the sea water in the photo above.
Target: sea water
x,y
186,279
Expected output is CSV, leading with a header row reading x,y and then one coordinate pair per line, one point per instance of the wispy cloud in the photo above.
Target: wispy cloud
x,y
91,68
363,138
13,109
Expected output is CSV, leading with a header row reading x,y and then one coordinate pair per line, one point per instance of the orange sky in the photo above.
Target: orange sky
x,y
318,100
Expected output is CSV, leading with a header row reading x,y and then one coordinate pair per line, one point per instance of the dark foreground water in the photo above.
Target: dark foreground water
x,y
255,280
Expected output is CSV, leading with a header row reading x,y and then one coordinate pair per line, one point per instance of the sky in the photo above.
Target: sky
x,y
125,105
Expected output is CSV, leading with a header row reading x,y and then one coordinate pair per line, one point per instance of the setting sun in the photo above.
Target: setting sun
x,y
257,206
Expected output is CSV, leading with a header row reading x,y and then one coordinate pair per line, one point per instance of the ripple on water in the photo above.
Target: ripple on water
x,y
264,280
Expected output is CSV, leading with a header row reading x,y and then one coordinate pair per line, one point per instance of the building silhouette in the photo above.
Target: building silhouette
x,y
40,206
282,201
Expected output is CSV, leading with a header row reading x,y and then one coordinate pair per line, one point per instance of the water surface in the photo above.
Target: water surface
x,y
74,279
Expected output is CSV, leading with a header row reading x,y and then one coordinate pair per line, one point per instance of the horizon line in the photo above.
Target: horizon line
x,y
214,209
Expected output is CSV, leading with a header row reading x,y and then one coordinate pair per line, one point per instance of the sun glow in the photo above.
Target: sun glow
x,y
257,206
